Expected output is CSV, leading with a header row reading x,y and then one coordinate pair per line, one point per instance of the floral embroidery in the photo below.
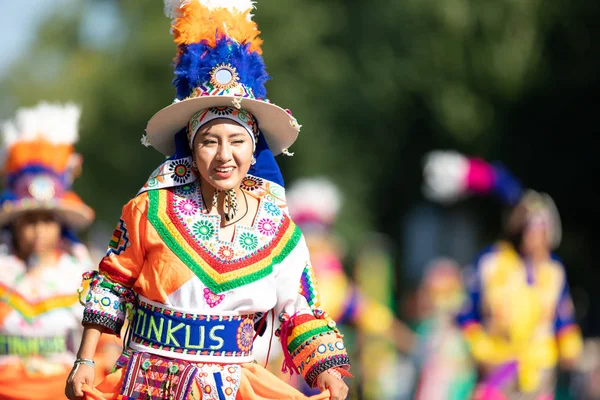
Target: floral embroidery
x,y
187,207
225,253
194,237
272,209
181,171
248,241
276,191
212,299
224,110
251,183
185,189
266,227
226,389
245,336
204,229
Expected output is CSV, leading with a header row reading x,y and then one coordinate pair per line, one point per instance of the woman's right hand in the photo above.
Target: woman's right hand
x,y
81,374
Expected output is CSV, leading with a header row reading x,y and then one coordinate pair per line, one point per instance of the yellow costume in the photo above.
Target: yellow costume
x,y
519,319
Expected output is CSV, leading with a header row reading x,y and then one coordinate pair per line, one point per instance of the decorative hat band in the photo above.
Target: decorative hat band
x,y
240,116
39,187
11,181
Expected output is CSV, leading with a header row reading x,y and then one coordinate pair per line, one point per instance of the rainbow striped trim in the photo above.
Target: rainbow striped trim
x,y
30,310
217,275
315,346
308,287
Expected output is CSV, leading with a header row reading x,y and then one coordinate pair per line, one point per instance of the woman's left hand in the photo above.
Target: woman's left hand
x,y
337,388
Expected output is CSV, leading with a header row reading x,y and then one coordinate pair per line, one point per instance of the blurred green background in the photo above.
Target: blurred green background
x,y
375,84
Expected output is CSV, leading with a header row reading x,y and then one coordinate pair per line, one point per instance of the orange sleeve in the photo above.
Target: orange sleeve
x,y
125,254
110,293
310,339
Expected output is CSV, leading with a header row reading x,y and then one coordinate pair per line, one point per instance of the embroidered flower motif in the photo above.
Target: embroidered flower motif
x,y
276,191
185,189
152,182
248,241
212,299
225,253
187,207
266,227
245,336
204,229
272,209
251,183
245,116
223,110
180,171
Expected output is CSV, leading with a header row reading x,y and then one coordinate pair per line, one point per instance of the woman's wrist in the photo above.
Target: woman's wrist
x,y
334,372
85,361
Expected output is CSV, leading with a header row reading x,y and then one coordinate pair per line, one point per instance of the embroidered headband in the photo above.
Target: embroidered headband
x,y
240,116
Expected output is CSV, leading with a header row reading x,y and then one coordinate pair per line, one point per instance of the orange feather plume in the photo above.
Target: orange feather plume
x,y
199,23
41,152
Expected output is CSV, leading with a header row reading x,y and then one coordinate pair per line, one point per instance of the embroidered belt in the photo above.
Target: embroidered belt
x,y
28,346
176,332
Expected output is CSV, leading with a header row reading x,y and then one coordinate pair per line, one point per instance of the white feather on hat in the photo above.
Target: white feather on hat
x,y
444,174
55,123
315,196
172,8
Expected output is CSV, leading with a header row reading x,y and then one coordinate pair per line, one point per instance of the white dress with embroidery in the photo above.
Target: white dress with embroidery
x,y
43,305
167,253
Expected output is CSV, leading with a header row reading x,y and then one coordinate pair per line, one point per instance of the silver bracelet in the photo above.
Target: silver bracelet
x,y
85,361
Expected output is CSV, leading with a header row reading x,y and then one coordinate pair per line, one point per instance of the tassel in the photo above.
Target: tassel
x,y
284,331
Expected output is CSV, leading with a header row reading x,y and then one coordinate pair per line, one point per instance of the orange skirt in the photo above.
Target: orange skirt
x,y
255,383
16,383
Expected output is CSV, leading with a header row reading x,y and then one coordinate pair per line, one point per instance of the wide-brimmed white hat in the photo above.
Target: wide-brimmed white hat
x,y
39,165
219,63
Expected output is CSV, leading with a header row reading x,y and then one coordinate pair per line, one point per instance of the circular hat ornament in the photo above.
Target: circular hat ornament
x,y
224,77
42,188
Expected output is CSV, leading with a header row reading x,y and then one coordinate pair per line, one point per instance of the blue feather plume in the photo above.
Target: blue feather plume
x,y
196,61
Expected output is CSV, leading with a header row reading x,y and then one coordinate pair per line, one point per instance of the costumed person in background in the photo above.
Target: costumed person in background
x,y
314,205
446,369
205,253
41,260
587,382
519,318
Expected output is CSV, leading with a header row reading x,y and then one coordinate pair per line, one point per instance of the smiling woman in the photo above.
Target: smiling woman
x,y
199,278
223,152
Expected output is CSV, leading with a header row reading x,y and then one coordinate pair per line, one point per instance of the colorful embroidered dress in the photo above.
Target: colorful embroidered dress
x,y
39,307
519,321
166,254
39,321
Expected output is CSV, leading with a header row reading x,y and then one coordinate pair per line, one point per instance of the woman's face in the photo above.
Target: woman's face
x,y
535,238
223,152
37,233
